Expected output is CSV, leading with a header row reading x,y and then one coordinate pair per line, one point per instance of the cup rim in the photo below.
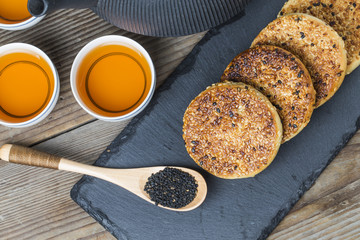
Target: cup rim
x,y
21,25
50,106
120,40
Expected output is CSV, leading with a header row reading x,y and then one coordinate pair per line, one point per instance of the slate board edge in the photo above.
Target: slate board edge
x,y
306,185
183,68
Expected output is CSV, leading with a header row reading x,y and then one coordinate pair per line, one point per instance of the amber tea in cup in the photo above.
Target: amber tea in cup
x,y
13,11
113,79
27,85
14,15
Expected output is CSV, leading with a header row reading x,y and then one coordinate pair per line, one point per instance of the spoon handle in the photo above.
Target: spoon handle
x,y
31,157
27,156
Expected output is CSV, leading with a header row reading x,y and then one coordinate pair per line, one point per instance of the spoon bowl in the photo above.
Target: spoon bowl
x,y
132,179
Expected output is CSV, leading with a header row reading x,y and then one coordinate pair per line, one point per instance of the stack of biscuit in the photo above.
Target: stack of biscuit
x,y
267,93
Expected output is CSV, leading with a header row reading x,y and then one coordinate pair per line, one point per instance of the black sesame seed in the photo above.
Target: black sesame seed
x,y
334,46
316,4
300,73
278,107
331,5
323,4
310,7
292,108
332,23
292,59
295,118
302,35
235,167
358,26
283,44
218,110
274,86
339,74
231,114
214,103
264,62
312,44
332,14
193,149
246,87
296,92
344,38
354,4
233,125
171,187
289,124
213,158
261,89
281,13
195,142
295,126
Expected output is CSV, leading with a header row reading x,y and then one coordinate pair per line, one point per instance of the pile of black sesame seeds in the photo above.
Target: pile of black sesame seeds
x,y
171,187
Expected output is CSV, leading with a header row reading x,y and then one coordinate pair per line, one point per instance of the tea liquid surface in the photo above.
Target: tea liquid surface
x,y
13,11
26,86
113,80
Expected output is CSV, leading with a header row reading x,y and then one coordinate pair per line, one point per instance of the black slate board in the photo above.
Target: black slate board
x,y
240,209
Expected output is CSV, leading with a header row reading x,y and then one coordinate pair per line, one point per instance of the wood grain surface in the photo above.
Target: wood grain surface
x,y
35,202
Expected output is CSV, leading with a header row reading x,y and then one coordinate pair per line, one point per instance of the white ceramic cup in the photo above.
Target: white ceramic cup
x,y
111,40
27,48
21,25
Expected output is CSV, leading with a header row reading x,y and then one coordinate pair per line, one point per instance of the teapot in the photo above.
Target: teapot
x,y
160,18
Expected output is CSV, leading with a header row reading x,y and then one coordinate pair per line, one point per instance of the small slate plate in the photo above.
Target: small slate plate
x,y
240,209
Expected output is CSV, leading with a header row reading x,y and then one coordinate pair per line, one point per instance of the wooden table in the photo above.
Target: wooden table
x,y
35,203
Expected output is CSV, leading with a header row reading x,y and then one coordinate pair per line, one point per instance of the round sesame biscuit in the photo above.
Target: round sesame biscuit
x,y
317,45
232,130
343,16
283,78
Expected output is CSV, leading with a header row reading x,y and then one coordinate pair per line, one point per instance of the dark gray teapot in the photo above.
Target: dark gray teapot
x,y
159,18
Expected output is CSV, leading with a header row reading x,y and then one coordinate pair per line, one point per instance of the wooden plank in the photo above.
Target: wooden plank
x,y
37,202
61,35
331,208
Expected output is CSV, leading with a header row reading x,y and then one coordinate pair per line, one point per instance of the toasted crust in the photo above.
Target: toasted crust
x,y
318,46
232,130
281,77
343,16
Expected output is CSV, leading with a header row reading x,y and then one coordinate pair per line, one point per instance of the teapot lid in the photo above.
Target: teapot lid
x,y
165,18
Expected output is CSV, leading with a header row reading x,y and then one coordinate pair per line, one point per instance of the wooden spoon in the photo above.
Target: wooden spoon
x,y
132,180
